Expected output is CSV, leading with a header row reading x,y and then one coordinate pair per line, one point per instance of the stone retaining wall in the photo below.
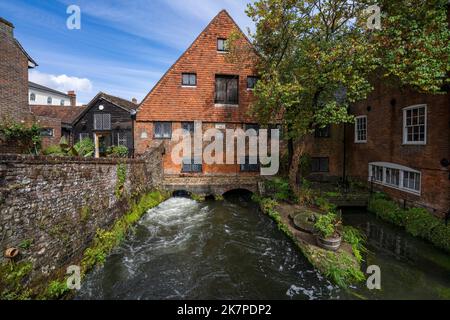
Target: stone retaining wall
x,y
51,208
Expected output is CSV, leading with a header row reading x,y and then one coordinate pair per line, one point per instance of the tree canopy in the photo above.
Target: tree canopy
x,y
317,57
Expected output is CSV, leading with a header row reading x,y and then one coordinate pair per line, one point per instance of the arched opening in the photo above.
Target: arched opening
x,y
239,195
210,197
181,194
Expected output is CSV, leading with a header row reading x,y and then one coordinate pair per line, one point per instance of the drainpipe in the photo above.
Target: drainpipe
x,y
133,114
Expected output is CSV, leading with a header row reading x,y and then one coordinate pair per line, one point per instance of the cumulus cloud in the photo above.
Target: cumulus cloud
x,y
62,82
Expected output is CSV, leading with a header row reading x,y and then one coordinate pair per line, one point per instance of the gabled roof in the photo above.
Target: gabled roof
x,y
66,114
47,89
118,102
222,12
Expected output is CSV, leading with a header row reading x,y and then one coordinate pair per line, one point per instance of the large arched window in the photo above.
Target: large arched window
x,y
395,176
32,97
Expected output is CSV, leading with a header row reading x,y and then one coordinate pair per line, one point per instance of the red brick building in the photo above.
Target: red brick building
x,y
400,142
203,85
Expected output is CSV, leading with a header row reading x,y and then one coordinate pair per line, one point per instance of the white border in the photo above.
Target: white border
x,y
405,133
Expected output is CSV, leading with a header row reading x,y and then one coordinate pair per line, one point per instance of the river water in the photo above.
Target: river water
x,y
229,250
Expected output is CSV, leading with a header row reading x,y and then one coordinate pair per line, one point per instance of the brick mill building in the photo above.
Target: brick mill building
x,y
203,85
400,142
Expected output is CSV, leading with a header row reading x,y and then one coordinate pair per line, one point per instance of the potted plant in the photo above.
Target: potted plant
x,y
327,229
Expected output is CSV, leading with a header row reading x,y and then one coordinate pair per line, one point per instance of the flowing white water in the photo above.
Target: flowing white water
x,y
214,250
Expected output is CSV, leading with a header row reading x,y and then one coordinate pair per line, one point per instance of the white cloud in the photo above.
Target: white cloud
x,y
62,82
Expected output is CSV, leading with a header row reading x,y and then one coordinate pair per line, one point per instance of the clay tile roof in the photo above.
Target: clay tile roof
x,y
66,114
119,101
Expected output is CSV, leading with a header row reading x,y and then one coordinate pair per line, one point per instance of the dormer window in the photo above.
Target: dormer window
x,y
32,97
62,103
222,45
49,100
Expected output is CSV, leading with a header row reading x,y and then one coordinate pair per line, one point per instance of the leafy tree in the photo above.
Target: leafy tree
x,y
317,57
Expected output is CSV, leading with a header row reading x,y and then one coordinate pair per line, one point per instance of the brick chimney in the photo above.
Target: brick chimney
x,y
6,27
73,98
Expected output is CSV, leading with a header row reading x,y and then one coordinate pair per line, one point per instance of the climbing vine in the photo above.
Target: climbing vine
x,y
28,137
121,179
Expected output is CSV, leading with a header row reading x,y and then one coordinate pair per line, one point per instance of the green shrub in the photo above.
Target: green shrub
x,y
85,148
56,290
280,188
387,210
357,240
118,152
440,236
54,150
327,225
325,205
420,223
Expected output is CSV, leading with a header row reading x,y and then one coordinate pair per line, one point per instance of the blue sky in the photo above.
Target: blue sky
x,y
123,47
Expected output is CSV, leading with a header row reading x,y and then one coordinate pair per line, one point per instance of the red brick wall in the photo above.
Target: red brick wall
x,y
50,123
13,77
385,143
170,101
170,168
332,148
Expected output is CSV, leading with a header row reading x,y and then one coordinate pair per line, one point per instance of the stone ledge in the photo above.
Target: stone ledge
x,y
14,158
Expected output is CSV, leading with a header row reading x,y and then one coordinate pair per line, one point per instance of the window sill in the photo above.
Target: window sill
x,y
413,192
222,52
189,87
361,142
156,138
224,105
414,144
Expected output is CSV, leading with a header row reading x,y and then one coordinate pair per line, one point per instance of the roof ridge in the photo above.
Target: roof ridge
x,y
185,52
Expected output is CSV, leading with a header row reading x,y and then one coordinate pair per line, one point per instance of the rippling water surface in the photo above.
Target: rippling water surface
x,y
213,250
229,250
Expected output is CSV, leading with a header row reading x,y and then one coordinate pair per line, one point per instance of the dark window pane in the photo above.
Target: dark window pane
x,y
222,45
227,89
320,164
163,130
323,132
251,82
188,126
189,79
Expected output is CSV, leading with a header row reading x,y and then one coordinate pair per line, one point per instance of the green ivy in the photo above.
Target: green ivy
x,y
29,137
121,179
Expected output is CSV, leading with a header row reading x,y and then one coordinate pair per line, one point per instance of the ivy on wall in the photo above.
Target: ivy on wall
x,y
26,136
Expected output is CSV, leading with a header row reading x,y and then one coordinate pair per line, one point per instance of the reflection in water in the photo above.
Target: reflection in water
x,y
392,242
410,267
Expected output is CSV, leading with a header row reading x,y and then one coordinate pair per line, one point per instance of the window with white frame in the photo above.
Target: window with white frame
x,y
411,181
415,125
361,129
395,176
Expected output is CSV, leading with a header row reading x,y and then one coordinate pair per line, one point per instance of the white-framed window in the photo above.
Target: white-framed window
x,y
84,136
49,100
361,129
395,176
122,139
33,97
62,103
415,125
